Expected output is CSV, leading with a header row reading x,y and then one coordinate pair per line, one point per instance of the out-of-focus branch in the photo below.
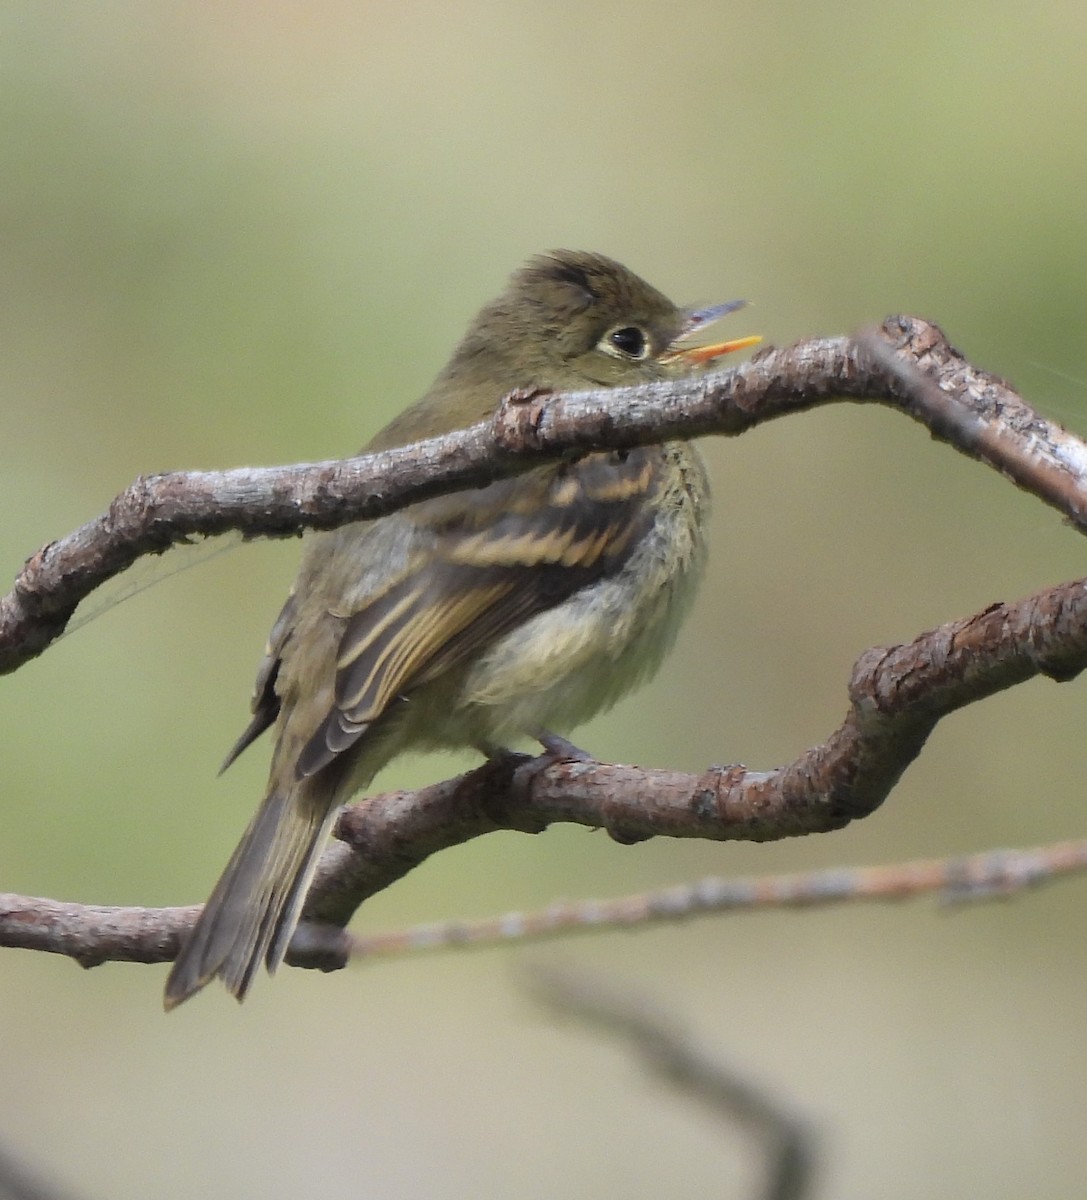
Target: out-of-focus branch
x,y
989,422
17,1182
994,874
787,1141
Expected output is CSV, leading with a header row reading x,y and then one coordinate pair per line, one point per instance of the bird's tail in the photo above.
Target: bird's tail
x,y
256,904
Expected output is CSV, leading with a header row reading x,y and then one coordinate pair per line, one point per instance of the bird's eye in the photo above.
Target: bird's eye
x,y
628,341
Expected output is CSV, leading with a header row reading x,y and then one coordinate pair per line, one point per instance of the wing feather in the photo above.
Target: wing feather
x,y
498,556
265,702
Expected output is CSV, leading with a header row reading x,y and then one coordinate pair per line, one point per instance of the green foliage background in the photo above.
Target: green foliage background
x,y
251,232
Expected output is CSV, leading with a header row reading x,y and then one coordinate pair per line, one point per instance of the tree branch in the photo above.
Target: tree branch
x,y
978,413
897,694
991,875
788,1141
19,1182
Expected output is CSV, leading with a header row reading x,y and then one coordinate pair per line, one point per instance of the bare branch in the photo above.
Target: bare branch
x,y
91,933
159,511
18,1182
897,694
788,1142
985,419
993,874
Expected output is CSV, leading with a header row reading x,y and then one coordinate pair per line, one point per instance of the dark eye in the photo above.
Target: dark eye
x,y
628,341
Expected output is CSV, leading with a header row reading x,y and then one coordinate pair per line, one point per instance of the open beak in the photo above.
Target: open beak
x,y
697,320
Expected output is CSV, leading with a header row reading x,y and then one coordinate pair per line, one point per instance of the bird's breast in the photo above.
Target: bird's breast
x,y
576,659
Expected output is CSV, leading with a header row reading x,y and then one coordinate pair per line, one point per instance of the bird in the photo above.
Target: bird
x,y
518,609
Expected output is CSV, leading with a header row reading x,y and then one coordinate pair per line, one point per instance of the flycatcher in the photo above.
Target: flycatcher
x,y
520,608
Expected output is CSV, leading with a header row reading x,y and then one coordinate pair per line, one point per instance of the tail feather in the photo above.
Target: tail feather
x,y
257,902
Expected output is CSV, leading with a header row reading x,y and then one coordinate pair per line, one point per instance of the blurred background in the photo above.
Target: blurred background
x,y
251,232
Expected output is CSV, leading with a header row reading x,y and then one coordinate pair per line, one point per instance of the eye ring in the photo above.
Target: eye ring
x,y
626,341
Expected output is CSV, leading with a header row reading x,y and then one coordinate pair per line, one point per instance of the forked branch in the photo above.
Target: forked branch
x,y
897,694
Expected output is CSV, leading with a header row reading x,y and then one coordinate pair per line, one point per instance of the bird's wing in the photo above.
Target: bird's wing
x,y
503,554
265,702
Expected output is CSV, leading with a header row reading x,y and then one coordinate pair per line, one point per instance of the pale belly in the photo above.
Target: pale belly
x,y
573,661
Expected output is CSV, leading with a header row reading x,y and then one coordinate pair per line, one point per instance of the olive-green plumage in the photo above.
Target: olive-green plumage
x,y
474,618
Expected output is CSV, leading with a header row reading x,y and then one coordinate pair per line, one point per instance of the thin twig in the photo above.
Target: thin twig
x,y
993,874
92,934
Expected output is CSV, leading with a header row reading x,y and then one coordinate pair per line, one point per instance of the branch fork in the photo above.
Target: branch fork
x,y
897,694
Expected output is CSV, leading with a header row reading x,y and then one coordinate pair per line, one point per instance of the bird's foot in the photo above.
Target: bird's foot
x,y
556,750
559,749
